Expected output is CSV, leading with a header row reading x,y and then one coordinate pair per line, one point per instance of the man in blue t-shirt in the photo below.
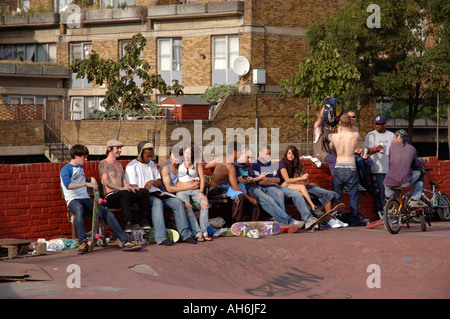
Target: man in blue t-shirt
x,y
74,185
271,185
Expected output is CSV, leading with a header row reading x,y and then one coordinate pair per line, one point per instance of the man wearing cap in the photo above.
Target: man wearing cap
x,y
378,142
142,172
404,169
118,192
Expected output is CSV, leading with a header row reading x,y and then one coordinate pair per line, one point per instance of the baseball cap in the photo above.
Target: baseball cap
x,y
112,143
380,119
401,133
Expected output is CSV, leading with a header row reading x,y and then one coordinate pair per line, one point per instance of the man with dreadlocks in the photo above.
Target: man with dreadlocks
x,y
404,169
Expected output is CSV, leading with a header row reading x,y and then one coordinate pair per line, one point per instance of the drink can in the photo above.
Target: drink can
x,y
366,152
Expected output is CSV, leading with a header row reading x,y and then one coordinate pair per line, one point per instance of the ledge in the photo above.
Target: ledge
x,y
30,69
167,12
38,19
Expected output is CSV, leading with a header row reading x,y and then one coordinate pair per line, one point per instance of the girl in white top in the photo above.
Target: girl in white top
x,y
188,171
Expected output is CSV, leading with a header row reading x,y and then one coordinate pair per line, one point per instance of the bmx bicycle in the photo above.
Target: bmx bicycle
x,y
397,212
437,201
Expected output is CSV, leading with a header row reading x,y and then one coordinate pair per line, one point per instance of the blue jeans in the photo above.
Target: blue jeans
x,y
194,195
377,181
271,205
283,193
323,195
416,189
348,176
176,205
364,166
80,206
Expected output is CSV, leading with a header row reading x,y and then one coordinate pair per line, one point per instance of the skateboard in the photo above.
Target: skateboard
x,y
265,228
336,209
376,223
172,234
95,220
137,234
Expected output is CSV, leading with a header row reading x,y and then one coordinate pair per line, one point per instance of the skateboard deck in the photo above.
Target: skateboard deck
x,y
375,224
95,218
327,216
172,234
265,228
137,234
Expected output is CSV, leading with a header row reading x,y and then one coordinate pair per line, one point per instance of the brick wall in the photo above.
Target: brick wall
x,y
22,133
31,203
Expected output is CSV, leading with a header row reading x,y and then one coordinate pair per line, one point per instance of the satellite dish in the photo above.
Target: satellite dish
x,y
241,66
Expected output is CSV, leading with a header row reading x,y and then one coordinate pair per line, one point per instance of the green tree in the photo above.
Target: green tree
x,y
123,94
323,73
405,59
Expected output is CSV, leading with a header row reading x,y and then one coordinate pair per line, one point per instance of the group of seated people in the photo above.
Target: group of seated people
x,y
181,179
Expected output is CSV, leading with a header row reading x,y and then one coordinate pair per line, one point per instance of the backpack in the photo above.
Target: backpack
x,y
329,112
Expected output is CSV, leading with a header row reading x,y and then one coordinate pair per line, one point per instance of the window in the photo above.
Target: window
x,y
170,59
14,99
41,52
80,50
82,106
62,4
122,45
225,51
116,3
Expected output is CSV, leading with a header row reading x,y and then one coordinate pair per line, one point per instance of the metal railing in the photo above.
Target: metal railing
x,y
55,144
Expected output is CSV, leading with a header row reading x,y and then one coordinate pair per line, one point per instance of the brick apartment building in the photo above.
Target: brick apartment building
x,y
193,41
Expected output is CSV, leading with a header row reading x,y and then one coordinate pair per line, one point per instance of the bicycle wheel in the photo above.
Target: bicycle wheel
x,y
443,211
423,222
392,216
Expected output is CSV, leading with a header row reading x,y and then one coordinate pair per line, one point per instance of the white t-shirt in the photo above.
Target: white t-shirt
x,y
73,174
380,159
139,174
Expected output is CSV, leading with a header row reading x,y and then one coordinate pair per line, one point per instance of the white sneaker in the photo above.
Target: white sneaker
x,y
311,222
332,223
253,233
299,223
340,222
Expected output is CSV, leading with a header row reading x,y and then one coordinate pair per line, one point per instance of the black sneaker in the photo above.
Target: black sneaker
x,y
83,248
167,242
190,240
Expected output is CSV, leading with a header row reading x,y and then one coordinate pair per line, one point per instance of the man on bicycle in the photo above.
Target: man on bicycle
x,y
404,170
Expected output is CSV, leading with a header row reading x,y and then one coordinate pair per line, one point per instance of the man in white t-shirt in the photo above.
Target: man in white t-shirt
x,y
143,173
378,143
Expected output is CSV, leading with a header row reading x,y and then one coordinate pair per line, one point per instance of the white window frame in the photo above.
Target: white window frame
x,y
21,99
222,61
85,49
175,64
84,108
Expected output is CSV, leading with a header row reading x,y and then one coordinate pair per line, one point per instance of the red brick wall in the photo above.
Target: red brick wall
x,y
31,203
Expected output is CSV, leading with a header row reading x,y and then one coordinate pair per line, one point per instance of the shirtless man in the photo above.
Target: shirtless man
x,y
363,165
346,143
118,192
224,182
